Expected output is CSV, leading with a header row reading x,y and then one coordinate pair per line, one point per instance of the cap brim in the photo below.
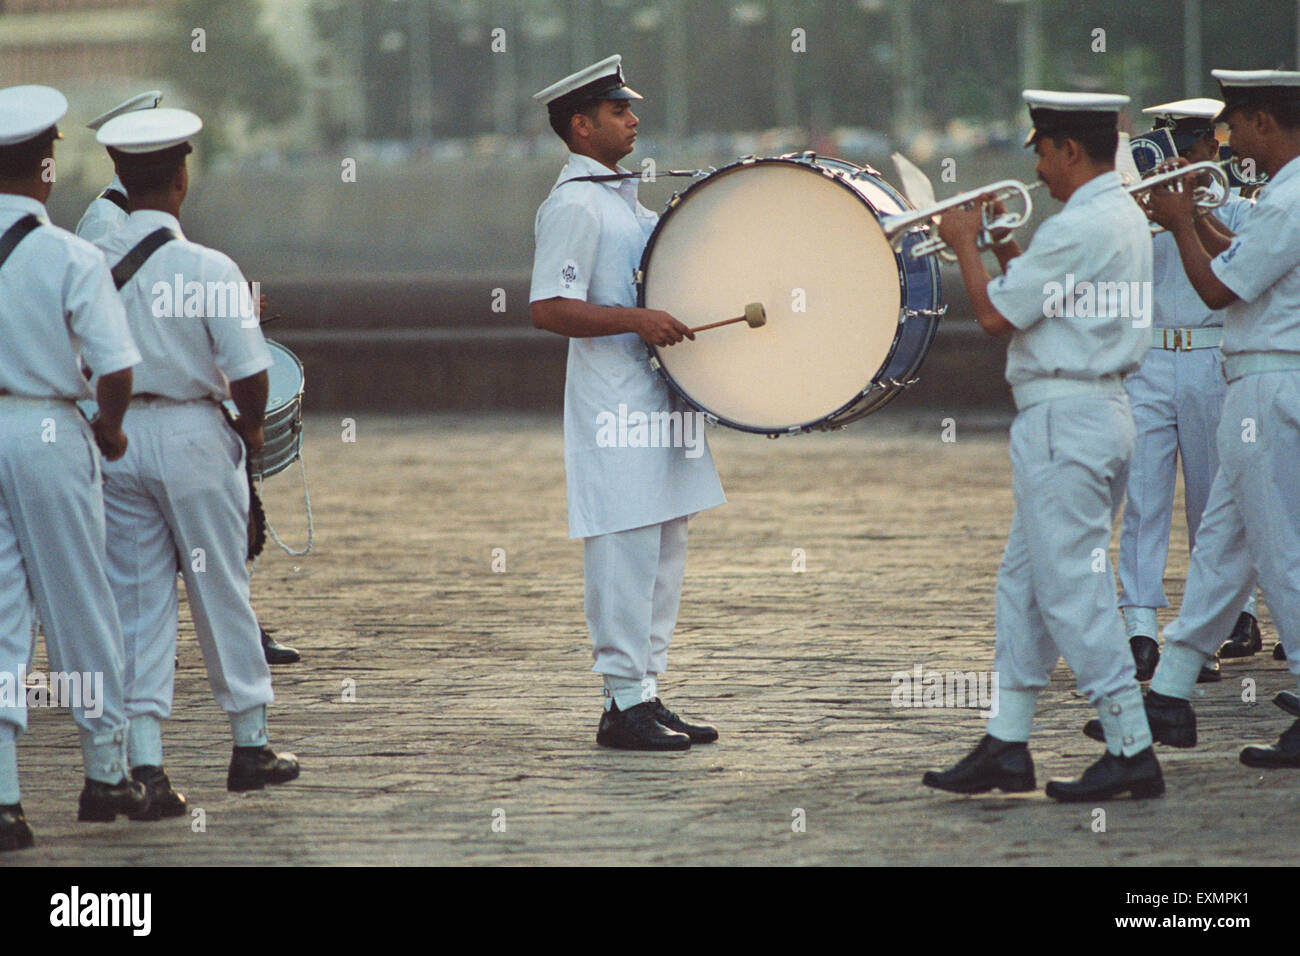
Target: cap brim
x,y
621,93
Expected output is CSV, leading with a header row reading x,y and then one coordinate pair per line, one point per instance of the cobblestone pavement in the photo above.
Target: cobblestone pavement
x,y
474,702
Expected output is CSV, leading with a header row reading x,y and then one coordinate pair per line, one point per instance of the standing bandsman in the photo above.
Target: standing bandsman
x,y
1072,342
107,212
57,310
1252,522
105,215
180,492
629,505
1177,397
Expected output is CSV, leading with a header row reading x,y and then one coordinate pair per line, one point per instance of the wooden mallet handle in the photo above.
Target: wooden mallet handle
x,y
755,315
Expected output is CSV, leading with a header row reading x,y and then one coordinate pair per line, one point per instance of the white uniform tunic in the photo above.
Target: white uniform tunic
x,y
57,309
590,237
102,217
181,490
1079,298
630,504
1252,521
1177,398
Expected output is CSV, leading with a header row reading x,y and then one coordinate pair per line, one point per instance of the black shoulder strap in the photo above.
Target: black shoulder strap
x,y
17,233
133,260
116,197
610,177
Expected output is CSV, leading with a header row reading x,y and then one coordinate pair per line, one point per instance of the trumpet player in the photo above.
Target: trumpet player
x,y
1251,522
1070,448
1177,398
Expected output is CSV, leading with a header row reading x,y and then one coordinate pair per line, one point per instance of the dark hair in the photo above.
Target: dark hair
x,y
149,172
561,120
1285,111
23,160
1098,145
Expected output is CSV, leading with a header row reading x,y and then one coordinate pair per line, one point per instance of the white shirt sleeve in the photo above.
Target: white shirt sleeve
x,y
1266,248
238,346
567,234
97,317
1021,294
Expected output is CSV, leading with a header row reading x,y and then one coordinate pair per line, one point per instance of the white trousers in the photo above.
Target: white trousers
x,y
1056,589
52,554
1252,521
178,500
1177,400
633,584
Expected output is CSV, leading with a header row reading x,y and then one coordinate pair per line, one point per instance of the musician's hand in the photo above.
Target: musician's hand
x,y
961,225
1168,207
659,328
253,435
111,442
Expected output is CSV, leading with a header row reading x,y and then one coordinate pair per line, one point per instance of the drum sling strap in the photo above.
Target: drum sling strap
x,y
18,232
116,197
610,177
133,260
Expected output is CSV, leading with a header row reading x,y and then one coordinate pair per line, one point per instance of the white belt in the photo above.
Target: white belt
x,y
1047,389
1185,340
1255,363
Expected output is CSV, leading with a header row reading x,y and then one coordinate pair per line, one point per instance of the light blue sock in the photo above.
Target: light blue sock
x,y
144,742
249,727
624,691
1177,671
8,764
1140,620
1014,720
1124,720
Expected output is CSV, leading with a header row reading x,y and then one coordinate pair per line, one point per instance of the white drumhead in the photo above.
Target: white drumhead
x,y
807,248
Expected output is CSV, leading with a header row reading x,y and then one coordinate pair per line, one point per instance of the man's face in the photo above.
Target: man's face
x,y
1244,135
612,134
1051,164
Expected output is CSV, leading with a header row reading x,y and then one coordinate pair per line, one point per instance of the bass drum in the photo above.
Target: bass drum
x,y
849,320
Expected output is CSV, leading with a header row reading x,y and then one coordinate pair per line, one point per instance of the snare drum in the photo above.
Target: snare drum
x,y
283,425
849,320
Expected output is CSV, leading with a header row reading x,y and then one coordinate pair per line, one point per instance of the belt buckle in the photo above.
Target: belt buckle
x,y
1181,344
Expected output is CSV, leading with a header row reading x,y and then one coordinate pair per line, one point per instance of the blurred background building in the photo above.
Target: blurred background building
x,y
430,102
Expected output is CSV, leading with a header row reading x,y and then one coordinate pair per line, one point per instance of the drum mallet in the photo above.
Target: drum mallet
x,y
755,315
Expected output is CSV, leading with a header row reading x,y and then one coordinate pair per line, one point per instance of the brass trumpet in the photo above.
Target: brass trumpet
x,y
899,225
1206,198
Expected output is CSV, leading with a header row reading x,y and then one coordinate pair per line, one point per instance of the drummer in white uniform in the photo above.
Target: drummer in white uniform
x,y
1177,397
57,310
180,492
1076,305
1252,522
105,215
630,505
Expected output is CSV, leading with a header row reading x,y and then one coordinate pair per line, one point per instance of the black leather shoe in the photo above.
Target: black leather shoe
x,y
1211,672
1172,721
1111,776
1279,652
1003,764
102,802
1146,655
699,733
277,653
252,768
637,729
1283,754
1245,639
1288,702
15,834
163,800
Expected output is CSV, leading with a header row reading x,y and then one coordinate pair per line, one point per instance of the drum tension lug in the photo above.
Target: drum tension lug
x,y
709,419
654,362
748,160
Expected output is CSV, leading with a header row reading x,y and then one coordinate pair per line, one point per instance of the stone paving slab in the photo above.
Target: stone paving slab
x,y
474,701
